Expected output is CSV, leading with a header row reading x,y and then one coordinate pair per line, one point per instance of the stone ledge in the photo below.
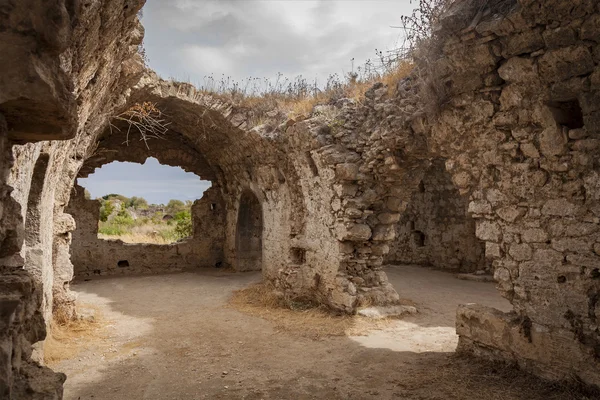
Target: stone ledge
x,y
551,353
386,312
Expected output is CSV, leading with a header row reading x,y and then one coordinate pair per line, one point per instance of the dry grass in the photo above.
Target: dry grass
x,y
148,234
301,105
137,238
300,318
67,339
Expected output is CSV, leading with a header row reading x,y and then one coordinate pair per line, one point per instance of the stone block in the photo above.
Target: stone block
x,y
488,231
519,69
388,218
590,30
560,37
384,232
510,213
380,249
571,244
581,229
577,134
346,171
529,150
553,141
590,261
492,250
565,63
559,207
520,252
522,43
345,189
589,101
480,207
534,235
395,204
588,145
548,257
354,232
569,89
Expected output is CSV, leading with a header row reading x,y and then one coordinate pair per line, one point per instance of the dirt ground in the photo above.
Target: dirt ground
x,y
173,337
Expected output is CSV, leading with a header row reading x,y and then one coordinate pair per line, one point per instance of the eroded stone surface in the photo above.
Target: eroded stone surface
x,y
509,108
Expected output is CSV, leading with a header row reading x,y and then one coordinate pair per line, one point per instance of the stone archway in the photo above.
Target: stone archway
x,y
249,232
436,229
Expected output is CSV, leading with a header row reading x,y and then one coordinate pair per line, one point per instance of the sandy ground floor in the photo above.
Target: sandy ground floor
x,y
174,337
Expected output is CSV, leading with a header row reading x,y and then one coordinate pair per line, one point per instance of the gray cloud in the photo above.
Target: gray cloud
x,y
190,39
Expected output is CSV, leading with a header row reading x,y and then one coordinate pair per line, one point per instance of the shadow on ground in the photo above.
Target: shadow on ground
x,y
192,347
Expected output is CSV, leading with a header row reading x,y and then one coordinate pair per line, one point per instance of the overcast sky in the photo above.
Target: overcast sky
x,y
191,39
156,183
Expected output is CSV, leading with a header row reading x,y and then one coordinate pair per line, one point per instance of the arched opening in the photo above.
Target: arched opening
x,y
144,203
249,231
436,229
139,218
33,216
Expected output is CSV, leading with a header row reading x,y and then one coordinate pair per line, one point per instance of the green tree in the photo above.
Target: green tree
x,y
120,197
175,206
139,203
184,227
106,209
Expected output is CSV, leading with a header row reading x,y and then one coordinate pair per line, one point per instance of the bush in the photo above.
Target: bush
x,y
123,219
111,230
184,227
106,209
122,223
175,206
139,203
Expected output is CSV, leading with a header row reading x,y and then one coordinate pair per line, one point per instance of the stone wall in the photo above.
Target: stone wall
x,y
92,256
514,113
435,229
66,66
507,93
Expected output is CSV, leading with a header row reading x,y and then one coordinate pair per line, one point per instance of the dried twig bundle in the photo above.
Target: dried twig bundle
x,y
146,118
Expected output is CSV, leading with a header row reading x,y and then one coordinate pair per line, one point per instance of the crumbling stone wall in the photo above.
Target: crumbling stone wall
x,y
536,196
506,93
515,118
435,229
66,66
518,129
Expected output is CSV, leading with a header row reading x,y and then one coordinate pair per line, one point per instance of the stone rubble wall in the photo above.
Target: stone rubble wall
x,y
436,230
67,65
507,94
516,119
525,144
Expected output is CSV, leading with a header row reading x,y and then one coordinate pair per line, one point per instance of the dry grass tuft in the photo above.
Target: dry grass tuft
x,y
67,339
298,317
137,238
297,99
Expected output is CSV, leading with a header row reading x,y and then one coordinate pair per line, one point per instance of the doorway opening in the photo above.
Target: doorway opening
x,y
249,230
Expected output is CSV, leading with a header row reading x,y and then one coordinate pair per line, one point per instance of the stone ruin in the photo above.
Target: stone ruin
x,y
487,159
